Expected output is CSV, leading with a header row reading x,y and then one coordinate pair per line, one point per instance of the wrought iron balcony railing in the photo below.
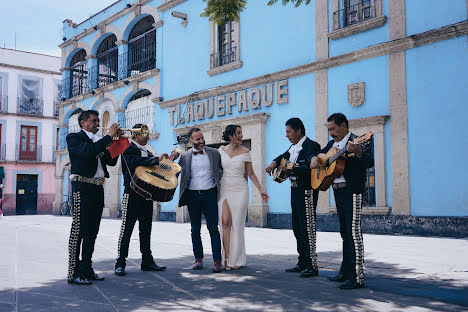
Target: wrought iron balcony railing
x,y
28,153
4,103
222,58
141,115
29,106
62,139
137,60
353,14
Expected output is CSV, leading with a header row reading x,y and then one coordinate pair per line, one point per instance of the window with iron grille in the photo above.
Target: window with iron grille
x,y
369,192
30,93
57,95
77,82
141,54
106,71
225,46
358,10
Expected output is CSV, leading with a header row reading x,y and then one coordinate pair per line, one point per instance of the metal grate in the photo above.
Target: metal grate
x,y
4,103
225,57
355,11
29,106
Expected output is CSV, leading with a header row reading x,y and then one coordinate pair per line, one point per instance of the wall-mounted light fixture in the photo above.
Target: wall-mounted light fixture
x,y
95,27
129,5
93,92
127,82
64,38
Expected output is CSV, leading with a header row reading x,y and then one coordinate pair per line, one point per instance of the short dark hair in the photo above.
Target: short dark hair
x,y
85,115
137,126
194,129
338,118
229,131
296,123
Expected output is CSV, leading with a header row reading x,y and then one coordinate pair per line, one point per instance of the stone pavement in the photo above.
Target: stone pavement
x,y
403,273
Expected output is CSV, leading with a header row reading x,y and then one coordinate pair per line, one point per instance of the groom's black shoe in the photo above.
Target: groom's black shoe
x,y
351,285
309,273
296,269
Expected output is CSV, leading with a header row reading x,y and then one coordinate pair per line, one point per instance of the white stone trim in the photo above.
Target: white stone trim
x,y
253,128
169,5
224,68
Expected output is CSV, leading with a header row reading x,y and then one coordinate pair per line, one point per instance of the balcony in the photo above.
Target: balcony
x,y
33,154
29,106
136,61
4,103
62,138
223,58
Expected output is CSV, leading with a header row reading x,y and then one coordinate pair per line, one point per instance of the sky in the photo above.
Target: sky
x,y
38,23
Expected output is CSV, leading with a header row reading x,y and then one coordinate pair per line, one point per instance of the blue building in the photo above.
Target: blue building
x,y
397,68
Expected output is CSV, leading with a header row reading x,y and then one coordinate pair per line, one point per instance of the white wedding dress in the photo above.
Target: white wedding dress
x,y
235,190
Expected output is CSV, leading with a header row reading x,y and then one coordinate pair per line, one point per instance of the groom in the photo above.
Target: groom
x,y
199,185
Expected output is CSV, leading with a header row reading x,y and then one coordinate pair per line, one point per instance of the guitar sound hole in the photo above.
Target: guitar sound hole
x,y
165,167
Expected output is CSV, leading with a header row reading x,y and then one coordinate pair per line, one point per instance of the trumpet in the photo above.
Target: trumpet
x,y
143,130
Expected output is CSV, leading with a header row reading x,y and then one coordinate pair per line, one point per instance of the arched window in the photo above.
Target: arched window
x,y
142,47
78,75
107,62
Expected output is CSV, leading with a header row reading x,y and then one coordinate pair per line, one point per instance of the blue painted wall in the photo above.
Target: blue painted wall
x,y
424,15
437,91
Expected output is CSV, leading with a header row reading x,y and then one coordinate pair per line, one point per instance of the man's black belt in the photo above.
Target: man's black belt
x,y
95,181
203,191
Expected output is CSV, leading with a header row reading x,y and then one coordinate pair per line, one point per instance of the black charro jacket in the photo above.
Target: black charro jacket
x,y
132,158
302,170
355,168
84,154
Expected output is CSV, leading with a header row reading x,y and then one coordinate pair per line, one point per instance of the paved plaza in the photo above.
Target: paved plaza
x,y
403,273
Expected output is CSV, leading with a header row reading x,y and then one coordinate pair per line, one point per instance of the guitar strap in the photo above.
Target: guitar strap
x,y
147,194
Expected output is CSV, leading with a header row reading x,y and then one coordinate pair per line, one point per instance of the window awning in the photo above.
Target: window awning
x,y
2,173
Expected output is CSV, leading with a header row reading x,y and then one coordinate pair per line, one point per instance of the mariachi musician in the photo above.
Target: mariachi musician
x,y
348,190
303,199
89,159
134,206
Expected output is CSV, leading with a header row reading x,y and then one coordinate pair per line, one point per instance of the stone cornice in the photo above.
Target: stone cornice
x,y
239,120
29,115
169,5
107,21
224,68
431,36
368,121
118,84
158,24
37,70
358,27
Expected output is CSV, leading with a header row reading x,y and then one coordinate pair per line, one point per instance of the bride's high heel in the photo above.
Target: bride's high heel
x,y
226,261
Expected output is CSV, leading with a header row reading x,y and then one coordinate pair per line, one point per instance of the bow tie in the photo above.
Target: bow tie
x,y
197,152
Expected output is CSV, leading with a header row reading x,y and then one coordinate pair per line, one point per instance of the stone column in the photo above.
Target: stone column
x,y
258,210
398,112
321,89
123,59
112,192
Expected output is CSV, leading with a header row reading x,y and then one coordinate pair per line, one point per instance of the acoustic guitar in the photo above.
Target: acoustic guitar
x,y
158,182
332,164
280,174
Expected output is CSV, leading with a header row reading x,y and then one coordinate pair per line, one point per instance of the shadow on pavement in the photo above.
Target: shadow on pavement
x,y
262,285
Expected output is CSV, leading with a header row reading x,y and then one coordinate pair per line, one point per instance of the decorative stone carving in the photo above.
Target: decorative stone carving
x,y
102,28
356,94
119,42
135,86
216,133
75,44
137,11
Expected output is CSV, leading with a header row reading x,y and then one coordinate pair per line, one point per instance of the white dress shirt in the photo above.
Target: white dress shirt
x,y
144,149
201,176
296,149
341,145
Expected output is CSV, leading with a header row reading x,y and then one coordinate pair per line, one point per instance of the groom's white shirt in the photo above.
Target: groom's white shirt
x,y
201,177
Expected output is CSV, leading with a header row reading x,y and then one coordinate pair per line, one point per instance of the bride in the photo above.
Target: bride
x,y
234,196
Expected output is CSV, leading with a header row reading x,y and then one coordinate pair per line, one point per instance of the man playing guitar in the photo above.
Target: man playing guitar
x,y
348,190
303,199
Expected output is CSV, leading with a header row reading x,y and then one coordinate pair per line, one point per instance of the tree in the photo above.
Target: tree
x,y
222,11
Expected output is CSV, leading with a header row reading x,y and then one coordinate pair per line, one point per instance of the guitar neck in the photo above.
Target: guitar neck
x,y
337,155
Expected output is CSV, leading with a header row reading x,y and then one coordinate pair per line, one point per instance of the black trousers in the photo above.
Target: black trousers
x,y
205,202
135,207
349,206
88,202
303,203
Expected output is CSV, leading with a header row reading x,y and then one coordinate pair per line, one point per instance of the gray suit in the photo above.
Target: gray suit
x,y
185,162
202,202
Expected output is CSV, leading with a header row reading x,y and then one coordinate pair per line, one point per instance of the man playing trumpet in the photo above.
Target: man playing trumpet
x,y
89,159
134,206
